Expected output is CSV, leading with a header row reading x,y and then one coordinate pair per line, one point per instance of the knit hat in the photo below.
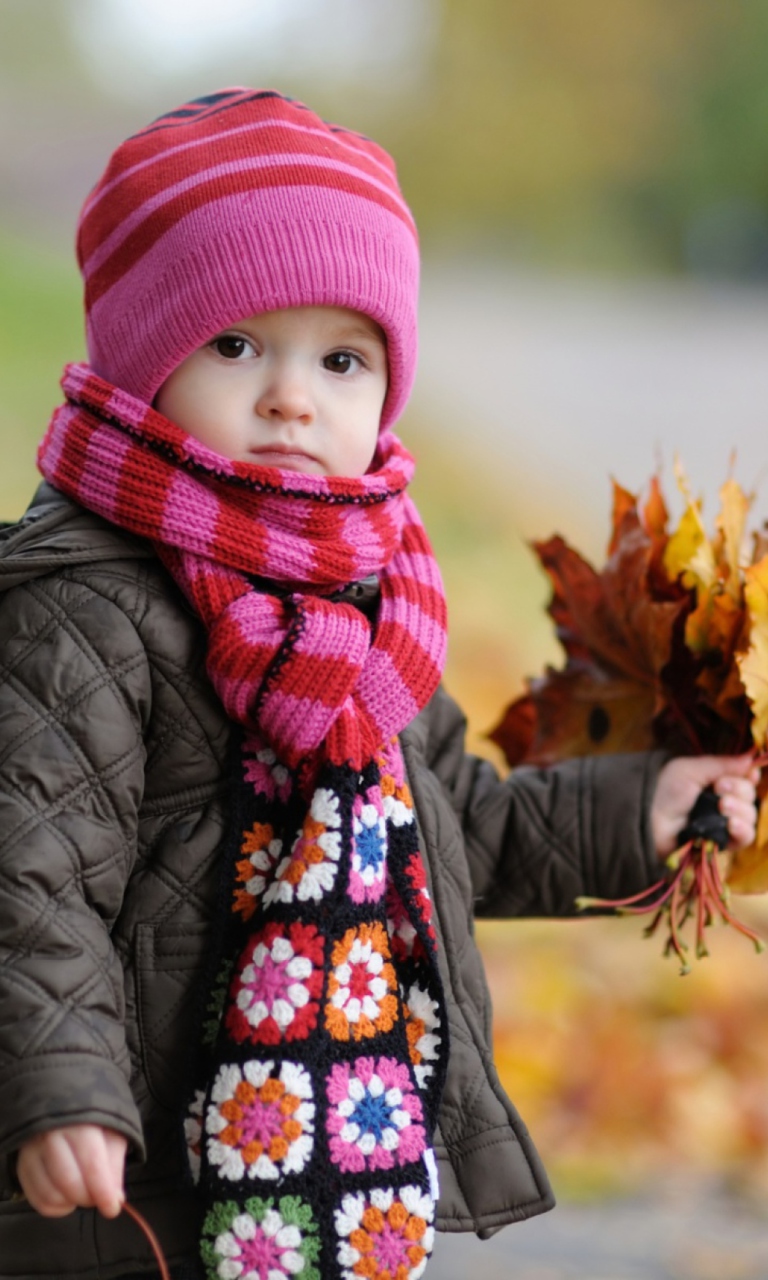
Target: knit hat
x,y
241,202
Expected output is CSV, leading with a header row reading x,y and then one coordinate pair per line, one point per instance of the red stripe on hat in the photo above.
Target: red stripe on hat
x,y
166,218
230,115
271,138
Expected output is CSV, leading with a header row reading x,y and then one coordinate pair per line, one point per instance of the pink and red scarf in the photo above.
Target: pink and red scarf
x,y
325,1038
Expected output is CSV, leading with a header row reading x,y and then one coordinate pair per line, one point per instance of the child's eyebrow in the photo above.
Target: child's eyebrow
x,y
359,332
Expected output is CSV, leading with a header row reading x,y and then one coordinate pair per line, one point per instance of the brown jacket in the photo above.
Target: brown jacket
x,y
113,800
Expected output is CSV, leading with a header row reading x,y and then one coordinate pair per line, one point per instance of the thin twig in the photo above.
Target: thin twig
x,y
151,1237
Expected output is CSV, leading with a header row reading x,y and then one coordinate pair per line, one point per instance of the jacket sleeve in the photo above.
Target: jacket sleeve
x,y
71,780
540,838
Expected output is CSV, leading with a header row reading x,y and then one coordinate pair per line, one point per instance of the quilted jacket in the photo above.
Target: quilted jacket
x,y
113,800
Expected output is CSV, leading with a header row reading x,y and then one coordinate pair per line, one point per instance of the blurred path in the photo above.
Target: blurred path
x,y
566,381
705,1239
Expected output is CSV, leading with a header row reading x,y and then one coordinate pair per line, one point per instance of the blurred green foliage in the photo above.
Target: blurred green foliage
x,y
40,329
631,134
592,132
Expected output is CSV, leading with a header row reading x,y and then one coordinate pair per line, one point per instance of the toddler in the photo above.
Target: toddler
x,y
242,843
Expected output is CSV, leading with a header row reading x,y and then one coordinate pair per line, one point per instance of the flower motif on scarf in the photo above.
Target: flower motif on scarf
x,y
368,869
258,1124
385,1235
264,771
310,869
396,794
276,989
361,985
261,1241
374,1115
422,1020
261,851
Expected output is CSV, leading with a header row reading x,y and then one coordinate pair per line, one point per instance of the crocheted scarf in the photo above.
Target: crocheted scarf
x,y
324,1038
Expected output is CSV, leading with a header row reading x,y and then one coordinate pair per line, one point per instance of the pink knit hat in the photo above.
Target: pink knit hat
x,y
241,202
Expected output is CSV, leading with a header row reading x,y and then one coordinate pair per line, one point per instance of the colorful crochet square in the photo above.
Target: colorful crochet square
x,y
385,1235
374,1115
396,794
276,990
263,1240
263,769
260,1125
253,872
422,1020
310,869
368,866
361,985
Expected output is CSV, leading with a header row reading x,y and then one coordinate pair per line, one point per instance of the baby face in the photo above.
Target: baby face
x,y
302,389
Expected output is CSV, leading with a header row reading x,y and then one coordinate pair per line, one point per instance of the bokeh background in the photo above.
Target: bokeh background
x,y
591,185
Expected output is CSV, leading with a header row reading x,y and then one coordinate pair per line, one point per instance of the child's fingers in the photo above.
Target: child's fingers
x,y
739,809
99,1155
116,1146
45,1179
63,1167
79,1166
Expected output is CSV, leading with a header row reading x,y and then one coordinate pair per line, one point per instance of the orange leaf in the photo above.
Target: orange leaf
x,y
753,664
655,514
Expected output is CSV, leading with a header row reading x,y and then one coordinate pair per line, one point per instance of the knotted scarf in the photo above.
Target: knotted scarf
x,y
324,1038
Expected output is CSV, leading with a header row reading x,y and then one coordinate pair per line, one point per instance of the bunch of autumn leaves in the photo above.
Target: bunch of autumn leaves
x,y
666,646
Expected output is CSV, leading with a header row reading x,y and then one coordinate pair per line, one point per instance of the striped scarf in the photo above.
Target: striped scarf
x,y
324,1043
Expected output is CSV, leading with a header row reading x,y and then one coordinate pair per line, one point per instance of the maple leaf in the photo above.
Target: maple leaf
x,y
667,645
617,639
655,514
577,712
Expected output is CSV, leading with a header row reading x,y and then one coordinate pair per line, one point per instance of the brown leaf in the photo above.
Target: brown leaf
x,y
624,504
576,712
609,618
516,731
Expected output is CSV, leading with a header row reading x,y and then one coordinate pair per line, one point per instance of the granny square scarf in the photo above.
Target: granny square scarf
x,y
324,1037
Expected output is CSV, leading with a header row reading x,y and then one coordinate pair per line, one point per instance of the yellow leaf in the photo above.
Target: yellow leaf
x,y
712,626
749,867
753,665
689,554
732,522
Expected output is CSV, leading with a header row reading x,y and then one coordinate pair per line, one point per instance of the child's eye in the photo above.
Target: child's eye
x,y
231,347
342,362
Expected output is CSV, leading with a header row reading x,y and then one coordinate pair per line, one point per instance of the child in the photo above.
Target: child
x,y
232,789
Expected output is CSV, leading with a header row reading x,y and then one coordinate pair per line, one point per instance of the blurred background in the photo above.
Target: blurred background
x,y
591,186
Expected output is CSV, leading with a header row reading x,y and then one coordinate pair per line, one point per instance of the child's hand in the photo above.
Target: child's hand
x,y
733,778
78,1166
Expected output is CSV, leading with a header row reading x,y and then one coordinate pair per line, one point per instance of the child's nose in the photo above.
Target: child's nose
x,y
286,397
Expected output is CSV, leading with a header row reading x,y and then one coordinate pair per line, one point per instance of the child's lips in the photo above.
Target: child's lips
x,y
283,456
